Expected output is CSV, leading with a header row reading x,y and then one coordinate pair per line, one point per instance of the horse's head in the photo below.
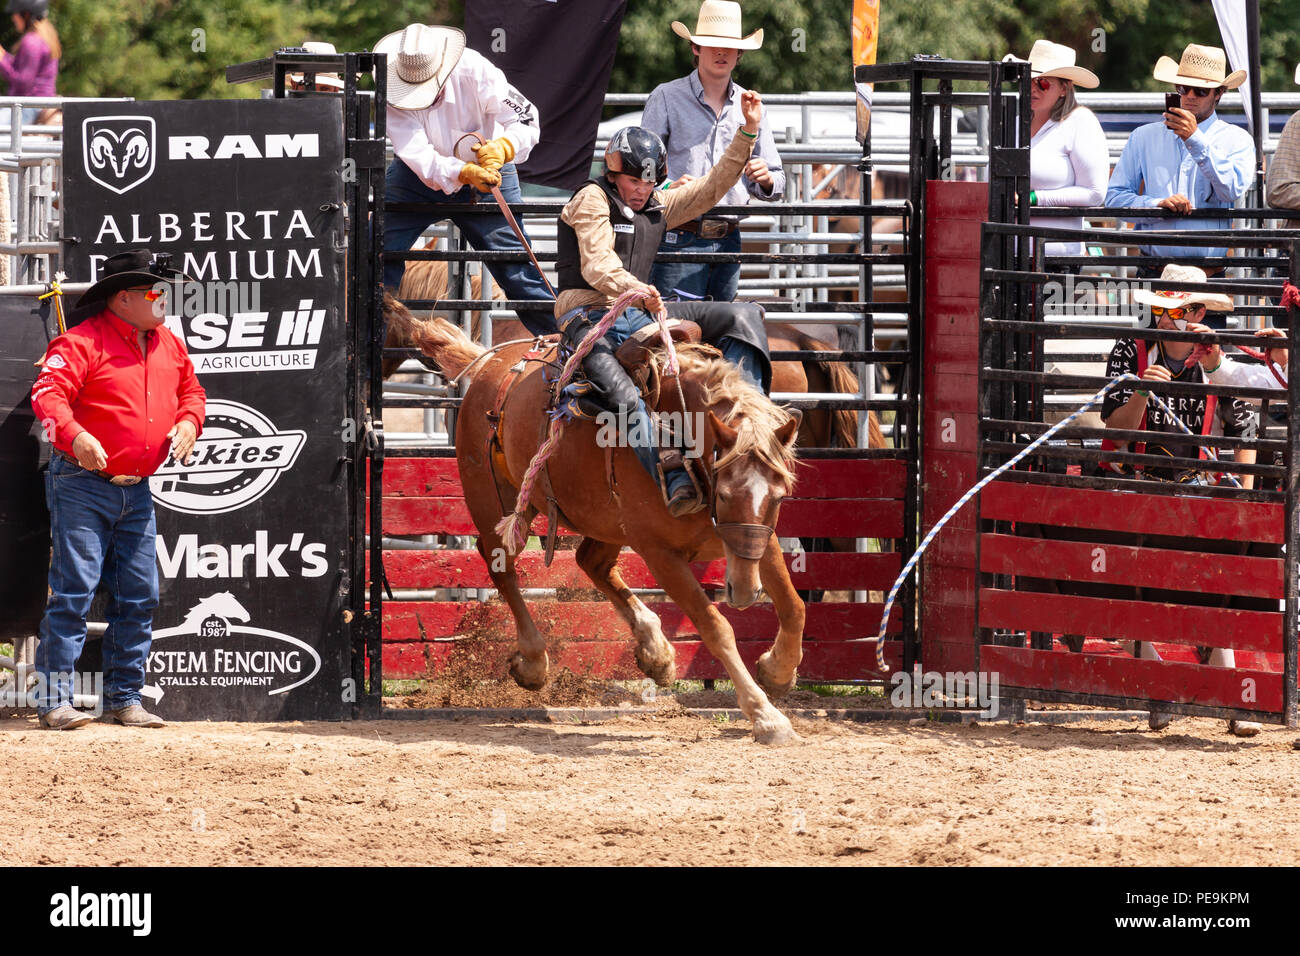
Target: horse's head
x,y
751,476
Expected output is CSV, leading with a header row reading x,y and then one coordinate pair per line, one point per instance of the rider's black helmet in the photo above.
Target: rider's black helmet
x,y
637,152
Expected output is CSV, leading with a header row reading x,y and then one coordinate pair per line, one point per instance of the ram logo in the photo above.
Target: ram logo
x,y
119,150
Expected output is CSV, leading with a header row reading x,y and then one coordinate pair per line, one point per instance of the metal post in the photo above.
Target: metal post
x,y
1290,576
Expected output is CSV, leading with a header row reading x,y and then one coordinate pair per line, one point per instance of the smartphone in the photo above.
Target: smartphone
x,y
1173,101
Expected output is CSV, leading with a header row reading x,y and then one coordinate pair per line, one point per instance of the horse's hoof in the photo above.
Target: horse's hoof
x,y
660,668
772,685
530,675
774,730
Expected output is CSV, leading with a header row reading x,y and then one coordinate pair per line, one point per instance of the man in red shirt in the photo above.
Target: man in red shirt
x,y
117,395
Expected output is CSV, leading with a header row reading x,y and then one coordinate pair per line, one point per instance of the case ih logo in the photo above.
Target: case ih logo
x,y
119,150
239,458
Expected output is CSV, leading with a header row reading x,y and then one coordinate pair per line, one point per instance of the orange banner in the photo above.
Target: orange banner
x,y
866,31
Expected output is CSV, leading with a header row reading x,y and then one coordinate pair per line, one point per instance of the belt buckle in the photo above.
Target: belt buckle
x,y
714,228
125,480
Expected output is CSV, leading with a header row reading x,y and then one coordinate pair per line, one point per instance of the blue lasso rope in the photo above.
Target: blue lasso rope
x,y
961,502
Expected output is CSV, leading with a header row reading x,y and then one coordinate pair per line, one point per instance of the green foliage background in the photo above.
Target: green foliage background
x,y
145,48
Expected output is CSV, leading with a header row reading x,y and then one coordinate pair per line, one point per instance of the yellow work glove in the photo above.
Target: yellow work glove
x,y
481,179
494,153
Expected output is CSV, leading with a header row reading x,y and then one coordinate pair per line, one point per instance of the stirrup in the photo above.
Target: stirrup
x,y
670,460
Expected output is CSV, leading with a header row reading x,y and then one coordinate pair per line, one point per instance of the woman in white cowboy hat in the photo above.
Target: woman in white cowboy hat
x,y
1068,162
696,116
1204,163
439,95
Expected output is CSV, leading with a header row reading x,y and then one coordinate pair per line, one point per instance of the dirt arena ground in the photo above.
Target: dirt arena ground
x,y
643,788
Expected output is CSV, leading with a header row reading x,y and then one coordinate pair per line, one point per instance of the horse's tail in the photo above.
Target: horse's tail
x,y
437,338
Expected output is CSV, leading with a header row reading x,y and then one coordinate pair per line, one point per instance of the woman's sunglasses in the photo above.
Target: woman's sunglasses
x,y
1196,91
1043,83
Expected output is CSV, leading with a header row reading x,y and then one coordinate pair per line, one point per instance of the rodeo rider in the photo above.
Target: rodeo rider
x,y
608,235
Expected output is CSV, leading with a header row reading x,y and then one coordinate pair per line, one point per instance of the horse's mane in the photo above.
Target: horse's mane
x,y
754,416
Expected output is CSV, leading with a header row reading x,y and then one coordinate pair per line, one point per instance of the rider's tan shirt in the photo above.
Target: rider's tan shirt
x,y
588,214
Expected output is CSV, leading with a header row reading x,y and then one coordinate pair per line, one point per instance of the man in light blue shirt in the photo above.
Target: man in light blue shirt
x,y
1191,160
696,116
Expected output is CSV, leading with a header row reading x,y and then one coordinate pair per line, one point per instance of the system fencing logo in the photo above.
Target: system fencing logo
x,y
239,457
232,653
119,151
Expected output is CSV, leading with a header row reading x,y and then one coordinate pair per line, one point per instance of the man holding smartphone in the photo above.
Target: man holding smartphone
x,y
1190,160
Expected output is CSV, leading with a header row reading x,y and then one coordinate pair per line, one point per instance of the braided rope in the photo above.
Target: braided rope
x,y
512,528
964,499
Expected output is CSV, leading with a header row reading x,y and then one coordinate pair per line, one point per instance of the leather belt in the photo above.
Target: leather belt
x,y
710,228
119,480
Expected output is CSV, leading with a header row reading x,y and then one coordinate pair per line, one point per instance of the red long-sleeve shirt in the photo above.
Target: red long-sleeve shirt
x,y
95,379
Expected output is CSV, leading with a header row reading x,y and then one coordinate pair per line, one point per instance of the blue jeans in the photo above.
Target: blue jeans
x,y
519,280
714,280
616,390
98,532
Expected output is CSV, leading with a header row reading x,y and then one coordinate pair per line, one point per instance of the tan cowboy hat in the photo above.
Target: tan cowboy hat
x,y
719,25
1201,66
420,59
322,79
1214,301
1054,59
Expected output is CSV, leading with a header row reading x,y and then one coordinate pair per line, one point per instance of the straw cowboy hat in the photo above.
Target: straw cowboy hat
x,y
420,59
718,25
322,79
1053,59
1201,66
1214,301
1297,74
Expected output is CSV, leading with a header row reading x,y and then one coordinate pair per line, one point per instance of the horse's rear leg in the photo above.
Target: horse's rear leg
x,y
529,665
674,576
778,667
654,655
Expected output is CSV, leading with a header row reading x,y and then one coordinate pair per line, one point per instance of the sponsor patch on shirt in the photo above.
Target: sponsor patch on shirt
x,y
670,236
624,227
55,361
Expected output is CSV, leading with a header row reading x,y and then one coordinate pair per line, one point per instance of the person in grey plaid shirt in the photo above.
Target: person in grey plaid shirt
x,y
696,116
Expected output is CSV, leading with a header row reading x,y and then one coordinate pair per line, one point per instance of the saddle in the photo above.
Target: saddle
x,y
637,353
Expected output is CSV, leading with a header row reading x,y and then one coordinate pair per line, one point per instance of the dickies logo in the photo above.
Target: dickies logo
x,y
238,459
119,151
55,361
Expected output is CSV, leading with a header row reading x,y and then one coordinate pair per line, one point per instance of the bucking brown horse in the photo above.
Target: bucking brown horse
x,y
606,497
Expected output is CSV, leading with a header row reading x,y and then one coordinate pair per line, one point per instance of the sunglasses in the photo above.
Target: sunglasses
x,y
1196,91
151,295
1175,314
1043,83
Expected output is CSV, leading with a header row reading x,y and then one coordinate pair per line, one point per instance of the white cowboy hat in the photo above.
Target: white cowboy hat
x,y
1201,66
322,79
1214,301
1054,59
420,59
718,25
1297,74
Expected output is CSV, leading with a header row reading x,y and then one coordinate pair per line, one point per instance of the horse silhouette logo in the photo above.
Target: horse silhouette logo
x,y
211,617
119,150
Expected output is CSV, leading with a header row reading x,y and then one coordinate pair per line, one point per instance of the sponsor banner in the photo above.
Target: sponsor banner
x,y
247,198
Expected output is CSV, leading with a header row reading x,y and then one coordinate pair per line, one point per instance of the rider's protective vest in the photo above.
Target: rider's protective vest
x,y
636,239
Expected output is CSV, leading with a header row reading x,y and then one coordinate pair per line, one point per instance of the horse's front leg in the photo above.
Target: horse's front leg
x,y
654,655
675,577
779,666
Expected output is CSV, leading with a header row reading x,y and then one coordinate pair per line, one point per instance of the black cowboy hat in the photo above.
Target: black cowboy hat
x,y
127,270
